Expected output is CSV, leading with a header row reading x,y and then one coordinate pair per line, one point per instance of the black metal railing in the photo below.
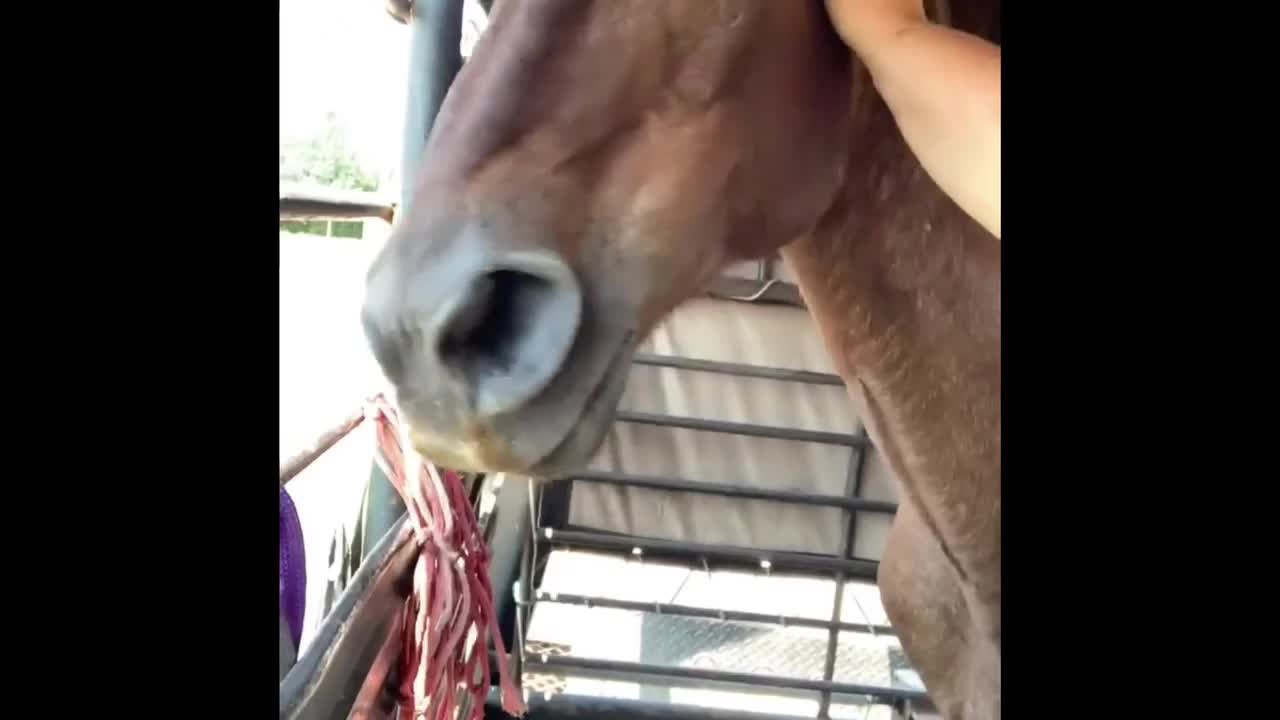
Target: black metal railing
x,y
315,202
739,428
840,567
841,502
693,611
630,670
726,368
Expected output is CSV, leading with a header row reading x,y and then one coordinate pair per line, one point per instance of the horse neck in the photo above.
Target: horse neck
x,y
905,289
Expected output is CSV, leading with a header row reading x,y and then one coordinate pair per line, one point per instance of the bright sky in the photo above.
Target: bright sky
x,y
348,57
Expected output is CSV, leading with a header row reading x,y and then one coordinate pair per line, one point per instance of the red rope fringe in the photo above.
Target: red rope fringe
x,y
451,593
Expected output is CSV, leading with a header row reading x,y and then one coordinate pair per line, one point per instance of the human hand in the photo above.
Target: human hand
x,y
866,24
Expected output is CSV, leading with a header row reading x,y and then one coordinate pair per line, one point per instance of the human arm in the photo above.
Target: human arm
x,y
943,88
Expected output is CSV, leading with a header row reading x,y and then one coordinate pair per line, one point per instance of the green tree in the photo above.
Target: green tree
x,y
325,159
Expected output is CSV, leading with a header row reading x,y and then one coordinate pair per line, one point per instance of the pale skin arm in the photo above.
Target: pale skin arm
x,y
943,87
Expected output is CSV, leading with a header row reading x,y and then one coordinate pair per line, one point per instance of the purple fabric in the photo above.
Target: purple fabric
x,y
293,567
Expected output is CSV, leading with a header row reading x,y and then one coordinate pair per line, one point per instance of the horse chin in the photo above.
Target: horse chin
x,y
588,432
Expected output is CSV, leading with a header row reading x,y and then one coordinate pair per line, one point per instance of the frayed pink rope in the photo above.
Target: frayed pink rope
x,y
451,592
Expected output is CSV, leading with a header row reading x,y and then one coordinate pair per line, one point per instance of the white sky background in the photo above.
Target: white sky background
x,y
349,57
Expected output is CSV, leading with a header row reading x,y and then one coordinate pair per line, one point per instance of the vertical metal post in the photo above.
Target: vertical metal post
x,y
510,546
434,59
853,488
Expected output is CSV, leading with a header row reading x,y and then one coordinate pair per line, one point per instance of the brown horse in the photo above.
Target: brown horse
x,y
597,163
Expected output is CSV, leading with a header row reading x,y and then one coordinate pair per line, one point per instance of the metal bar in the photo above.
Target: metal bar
x,y
711,614
853,486
511,531
434,59
772,292
529,558
588,665
327,678
737,491
856,490
776,560
522,615
303,459
736,428
739,369
321,203
588,707
374,698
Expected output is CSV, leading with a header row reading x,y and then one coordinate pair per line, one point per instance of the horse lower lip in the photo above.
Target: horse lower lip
x,y
603,381
602,384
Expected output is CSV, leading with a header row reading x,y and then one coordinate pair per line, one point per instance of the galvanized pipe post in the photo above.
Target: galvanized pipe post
x,y
435,56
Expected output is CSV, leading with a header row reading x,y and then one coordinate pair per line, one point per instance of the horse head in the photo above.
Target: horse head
x,y
593,165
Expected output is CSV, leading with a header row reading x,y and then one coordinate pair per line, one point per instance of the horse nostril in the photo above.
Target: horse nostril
x,y
508,334
482,337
